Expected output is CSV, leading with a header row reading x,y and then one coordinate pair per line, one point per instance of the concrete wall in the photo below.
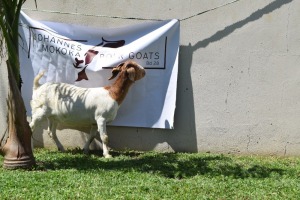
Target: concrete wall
x,y
239,74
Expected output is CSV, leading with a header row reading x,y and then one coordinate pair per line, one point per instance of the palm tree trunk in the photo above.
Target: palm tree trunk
x,y
17,150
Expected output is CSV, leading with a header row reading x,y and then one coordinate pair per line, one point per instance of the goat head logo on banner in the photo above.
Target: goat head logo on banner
x,y
91,53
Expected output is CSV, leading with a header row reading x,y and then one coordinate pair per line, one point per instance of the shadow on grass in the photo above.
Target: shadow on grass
x,y
169,165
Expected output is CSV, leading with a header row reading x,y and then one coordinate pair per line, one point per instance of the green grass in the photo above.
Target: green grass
x,y
133,175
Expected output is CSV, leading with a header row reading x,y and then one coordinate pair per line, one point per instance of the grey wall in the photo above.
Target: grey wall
x,y
239,74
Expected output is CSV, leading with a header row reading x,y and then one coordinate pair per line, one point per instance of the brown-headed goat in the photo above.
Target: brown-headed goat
x,y
72,105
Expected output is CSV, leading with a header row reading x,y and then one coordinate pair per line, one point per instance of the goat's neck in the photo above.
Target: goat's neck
x,y
118,90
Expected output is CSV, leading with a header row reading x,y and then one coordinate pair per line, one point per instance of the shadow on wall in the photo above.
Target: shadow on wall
x,y
230,29
184,137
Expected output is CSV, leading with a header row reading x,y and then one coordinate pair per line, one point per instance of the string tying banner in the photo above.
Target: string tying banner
x,y
131,18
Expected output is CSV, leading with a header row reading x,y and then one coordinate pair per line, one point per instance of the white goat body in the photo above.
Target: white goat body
x,y
72,105
80,107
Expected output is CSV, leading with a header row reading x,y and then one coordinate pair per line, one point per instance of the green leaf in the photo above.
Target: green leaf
x,y
9,24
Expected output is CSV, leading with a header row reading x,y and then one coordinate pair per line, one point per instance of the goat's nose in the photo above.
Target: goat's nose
x,y
144,73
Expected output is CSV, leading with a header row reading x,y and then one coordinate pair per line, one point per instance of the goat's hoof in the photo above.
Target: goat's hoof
x,y
61,150
108,156
86,151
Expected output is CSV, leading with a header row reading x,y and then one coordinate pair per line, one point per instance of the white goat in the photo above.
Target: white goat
x,y
72,105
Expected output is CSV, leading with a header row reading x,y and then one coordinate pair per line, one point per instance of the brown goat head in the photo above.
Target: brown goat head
x,y
132,69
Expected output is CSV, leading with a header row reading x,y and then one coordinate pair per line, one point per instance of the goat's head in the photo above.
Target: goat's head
x,y
133,70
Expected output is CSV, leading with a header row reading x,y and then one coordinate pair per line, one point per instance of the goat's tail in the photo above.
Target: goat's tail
x,y
36,79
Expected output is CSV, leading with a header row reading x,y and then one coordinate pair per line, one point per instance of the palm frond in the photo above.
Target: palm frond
x,y
9,26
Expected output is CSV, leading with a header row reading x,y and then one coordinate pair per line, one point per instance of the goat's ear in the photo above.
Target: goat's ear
x,y
131,73
116,71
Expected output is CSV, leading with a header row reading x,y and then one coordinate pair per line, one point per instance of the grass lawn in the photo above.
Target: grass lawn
x,y
133,175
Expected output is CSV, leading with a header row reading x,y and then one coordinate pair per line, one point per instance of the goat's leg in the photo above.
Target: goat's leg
x,y
103,135
52,124
92,135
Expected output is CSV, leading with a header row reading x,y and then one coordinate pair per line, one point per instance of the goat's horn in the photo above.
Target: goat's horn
x,y
116,71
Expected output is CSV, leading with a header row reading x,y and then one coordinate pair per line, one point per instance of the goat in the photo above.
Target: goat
x,y
71,105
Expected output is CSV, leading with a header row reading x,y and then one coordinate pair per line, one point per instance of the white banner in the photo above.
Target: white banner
x,y
84,56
